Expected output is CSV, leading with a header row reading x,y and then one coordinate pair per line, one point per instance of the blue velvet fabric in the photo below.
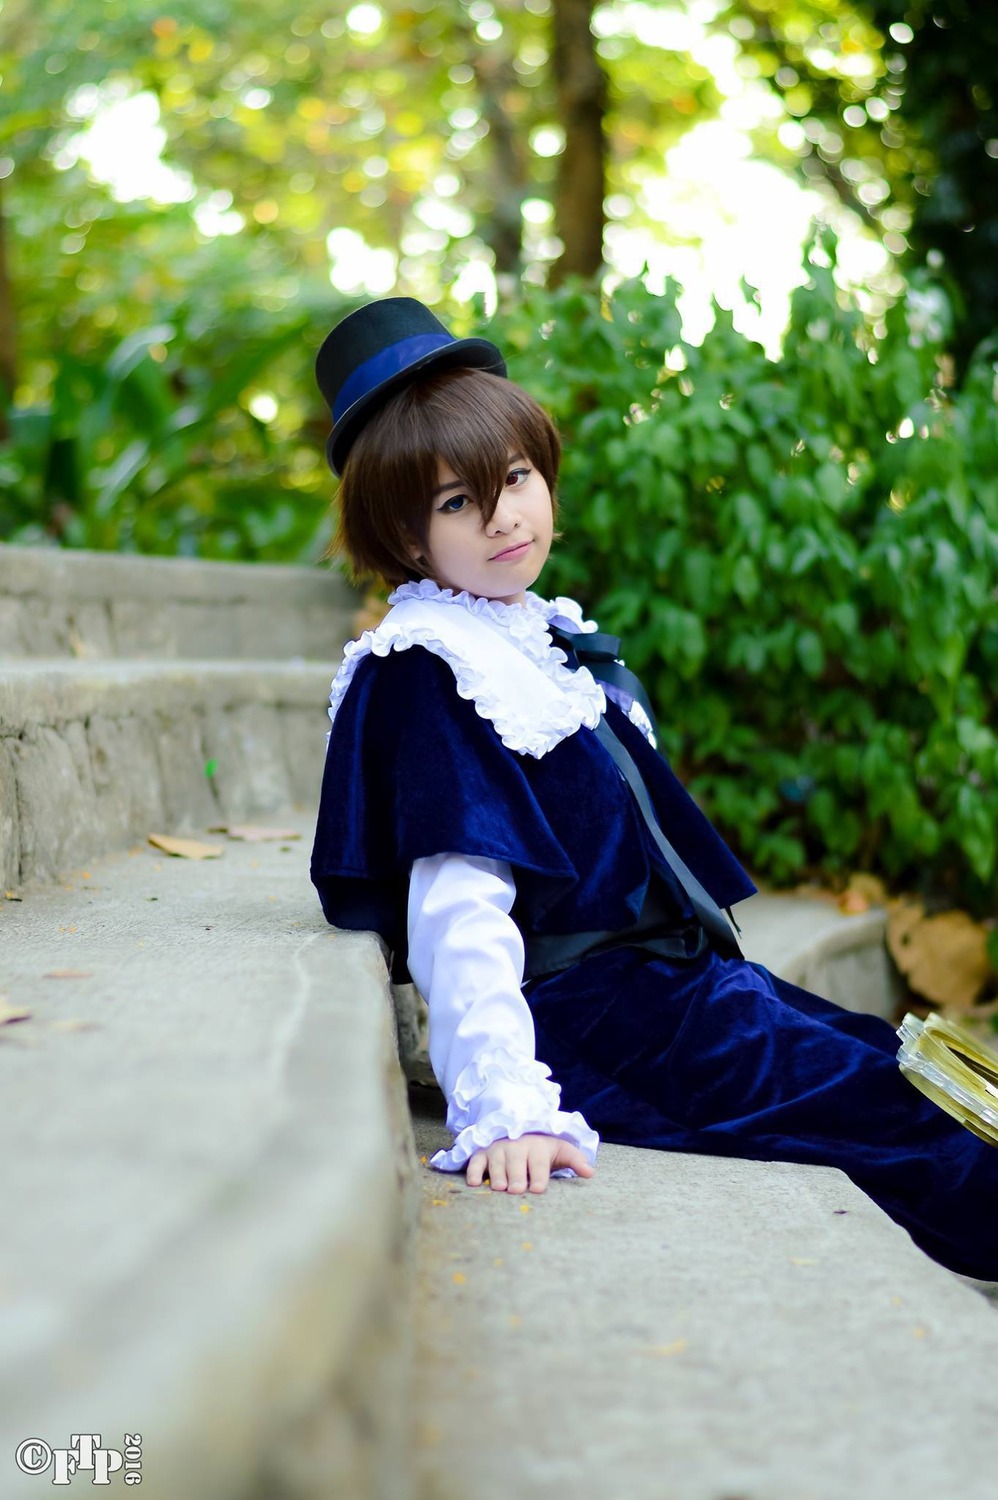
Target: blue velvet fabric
x,y
722,1058
412,770
713,1056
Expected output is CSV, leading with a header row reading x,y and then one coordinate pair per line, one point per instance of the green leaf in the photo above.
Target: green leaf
x,y
745,580
811,653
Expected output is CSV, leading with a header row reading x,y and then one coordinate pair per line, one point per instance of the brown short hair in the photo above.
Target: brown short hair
x,y
468,418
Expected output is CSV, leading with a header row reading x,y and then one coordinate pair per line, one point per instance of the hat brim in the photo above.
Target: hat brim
x,y
475,354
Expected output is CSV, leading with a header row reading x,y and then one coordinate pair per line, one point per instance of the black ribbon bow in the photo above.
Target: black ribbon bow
x,y
599,652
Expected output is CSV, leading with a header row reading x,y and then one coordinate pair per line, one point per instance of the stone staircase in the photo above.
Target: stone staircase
x,y
217,1234
208,1171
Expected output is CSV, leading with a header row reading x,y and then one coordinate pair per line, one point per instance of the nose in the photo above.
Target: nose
x,y
504,517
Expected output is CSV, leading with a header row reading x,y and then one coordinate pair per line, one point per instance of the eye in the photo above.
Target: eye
x,y
516,478
457,500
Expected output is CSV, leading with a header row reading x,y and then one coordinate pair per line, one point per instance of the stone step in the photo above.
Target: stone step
x,y
212,1186
94,755
211,1198
681,1327
208,1181
93,605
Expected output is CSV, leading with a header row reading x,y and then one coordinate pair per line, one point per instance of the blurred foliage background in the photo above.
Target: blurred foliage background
x,y
790,512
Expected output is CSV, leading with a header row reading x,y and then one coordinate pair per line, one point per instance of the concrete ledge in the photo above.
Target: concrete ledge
x,y
57,602
95,756
208,1194
681,1327
850,965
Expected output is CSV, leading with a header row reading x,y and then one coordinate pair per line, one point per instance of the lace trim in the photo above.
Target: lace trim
x,y
494,609
632,708
522,723
528,1101
637,716
495,1064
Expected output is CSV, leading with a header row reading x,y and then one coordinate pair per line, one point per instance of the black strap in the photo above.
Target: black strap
x,y
713,919
592,650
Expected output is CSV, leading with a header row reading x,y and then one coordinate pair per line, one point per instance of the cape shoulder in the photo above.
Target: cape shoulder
x,y
414,769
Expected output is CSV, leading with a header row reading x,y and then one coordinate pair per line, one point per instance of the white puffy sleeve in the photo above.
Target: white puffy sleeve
x,y
466,958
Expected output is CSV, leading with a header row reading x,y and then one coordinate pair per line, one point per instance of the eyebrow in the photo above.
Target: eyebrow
x,y
455,484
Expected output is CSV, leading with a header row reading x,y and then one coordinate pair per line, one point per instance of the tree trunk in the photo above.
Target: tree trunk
x,y
8,337
581,185
502,227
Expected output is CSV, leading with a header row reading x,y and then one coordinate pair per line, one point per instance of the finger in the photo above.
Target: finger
x,y
571,1156
476,1169
540,1173
517,1169
497,1171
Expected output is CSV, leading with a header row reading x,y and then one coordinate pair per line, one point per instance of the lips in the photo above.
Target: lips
x,y
510,553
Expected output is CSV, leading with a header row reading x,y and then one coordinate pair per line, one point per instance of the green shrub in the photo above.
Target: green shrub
x,y
808,596
146,444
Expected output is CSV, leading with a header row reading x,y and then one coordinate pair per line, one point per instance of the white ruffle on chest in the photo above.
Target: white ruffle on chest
x,y
502,659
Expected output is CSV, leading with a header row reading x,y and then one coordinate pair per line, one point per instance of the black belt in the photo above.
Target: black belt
x,y
574,644
660,929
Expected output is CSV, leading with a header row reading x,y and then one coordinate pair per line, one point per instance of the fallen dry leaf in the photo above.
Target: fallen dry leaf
x,y
10,1013
69,974
186,848
943,957
252,833
852,904
862,892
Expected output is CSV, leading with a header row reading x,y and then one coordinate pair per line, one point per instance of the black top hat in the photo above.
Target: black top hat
x,y
378,349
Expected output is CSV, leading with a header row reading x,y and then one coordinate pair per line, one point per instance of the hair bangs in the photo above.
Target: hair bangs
x,y
473,421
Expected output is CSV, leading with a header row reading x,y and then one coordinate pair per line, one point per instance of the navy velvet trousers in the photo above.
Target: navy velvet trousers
x,y
719,1056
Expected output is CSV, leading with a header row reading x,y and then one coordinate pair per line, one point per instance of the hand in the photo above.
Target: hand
x,y
511,1163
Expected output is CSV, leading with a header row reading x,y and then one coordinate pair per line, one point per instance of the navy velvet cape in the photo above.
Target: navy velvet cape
x,y
715,1056
413,770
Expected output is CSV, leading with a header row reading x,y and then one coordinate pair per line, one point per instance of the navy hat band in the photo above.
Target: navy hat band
x,y
383,365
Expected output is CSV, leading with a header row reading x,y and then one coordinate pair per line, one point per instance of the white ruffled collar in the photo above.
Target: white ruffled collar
x,y
510,616
501,655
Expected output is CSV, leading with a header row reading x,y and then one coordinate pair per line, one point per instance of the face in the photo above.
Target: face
x,y
464,552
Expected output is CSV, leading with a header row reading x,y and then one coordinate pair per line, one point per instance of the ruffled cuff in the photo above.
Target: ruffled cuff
x,y
500,1095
